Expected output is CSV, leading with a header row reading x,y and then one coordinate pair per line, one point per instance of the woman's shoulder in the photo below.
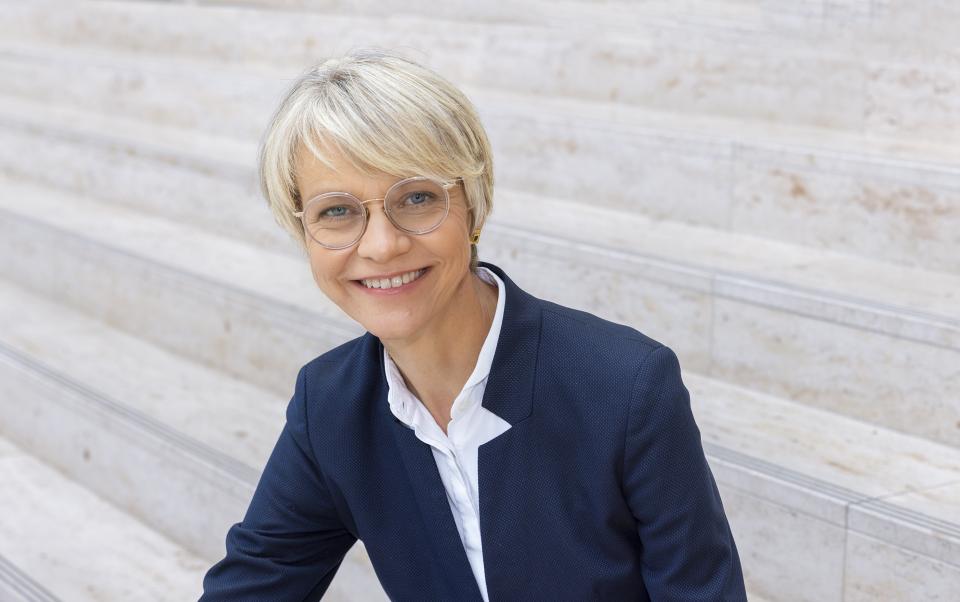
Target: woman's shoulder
x,y
343,368
349,351
582,350
588,333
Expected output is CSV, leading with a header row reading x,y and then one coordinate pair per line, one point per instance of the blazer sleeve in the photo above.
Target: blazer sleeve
x,y
688,552
291,541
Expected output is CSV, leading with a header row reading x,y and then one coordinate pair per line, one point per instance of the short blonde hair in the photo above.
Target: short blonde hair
x,y
382,112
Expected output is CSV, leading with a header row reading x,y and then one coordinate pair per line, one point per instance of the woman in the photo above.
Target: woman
x,y
483,443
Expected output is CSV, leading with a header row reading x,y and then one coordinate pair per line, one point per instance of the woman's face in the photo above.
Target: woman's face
x,y
384,251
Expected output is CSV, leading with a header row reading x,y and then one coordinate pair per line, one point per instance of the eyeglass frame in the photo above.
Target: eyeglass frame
x,y
445,186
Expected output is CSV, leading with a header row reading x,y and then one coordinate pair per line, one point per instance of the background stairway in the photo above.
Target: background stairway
x,y
771,188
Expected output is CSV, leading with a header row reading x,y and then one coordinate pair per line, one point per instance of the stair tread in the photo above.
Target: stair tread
x,y
79,546
706,127
239,420
853,277
226,261
732,425
867,459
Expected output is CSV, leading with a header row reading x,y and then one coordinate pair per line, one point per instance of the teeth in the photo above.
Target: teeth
x,y
392,282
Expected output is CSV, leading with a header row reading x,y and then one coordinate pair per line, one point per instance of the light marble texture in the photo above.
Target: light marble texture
x,y
179,92
219,303
58,530
754,180
776,485
880,571
923,520
155,476
170,270
869,460
793,356
221,201
913,100
900,213
618,291
660,174
786,555
929,292
17,586
185,467
680,64
849,191
223,412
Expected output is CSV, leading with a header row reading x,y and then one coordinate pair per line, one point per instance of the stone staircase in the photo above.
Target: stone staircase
x,y
771,188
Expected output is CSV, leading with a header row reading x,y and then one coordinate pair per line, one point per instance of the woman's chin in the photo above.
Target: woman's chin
x,y
387,329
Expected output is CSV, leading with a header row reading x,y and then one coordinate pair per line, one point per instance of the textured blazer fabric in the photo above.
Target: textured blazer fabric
x,y
599,490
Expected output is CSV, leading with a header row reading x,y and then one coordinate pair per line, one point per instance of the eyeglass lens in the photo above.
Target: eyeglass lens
x,y
337,220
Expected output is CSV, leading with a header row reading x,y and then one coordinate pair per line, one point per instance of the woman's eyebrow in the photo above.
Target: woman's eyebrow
x,y
323,190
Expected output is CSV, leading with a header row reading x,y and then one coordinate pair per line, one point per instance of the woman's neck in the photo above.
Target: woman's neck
x,y
437,363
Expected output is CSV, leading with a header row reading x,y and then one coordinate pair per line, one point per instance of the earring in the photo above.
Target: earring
x,y
475,237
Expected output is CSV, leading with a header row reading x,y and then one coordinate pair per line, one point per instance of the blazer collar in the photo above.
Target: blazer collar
x,y
509,389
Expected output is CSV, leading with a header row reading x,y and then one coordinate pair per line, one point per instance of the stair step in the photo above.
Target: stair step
x,y
239,308
873,196
617,15
177,443
660,63
76,546
870,500
822,473
742,294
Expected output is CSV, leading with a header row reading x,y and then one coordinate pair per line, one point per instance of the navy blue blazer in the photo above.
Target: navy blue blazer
x,y
598,491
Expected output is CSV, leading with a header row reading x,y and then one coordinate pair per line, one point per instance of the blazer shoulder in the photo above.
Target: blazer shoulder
x,y
334,378
592,334
337,355
591,353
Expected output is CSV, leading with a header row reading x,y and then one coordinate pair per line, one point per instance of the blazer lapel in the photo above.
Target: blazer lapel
x,y
502,471
508,394
509,390
431,497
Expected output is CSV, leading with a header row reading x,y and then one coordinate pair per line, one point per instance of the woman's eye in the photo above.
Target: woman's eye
x,y
417,198
338,211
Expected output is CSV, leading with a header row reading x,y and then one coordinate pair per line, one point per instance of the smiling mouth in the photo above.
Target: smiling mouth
x,y
395,282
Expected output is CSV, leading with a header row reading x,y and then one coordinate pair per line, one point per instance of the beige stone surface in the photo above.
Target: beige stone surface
x,y
226,414
71,539
785,554
867,459
876,197
792,356
880,571
922,520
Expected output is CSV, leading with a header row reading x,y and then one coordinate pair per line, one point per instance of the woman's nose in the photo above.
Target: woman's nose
x,y
381,240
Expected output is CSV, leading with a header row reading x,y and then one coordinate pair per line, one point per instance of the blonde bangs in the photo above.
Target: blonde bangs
x,y
380,112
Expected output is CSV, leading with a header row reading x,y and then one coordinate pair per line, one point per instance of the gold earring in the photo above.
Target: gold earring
x,y
475,237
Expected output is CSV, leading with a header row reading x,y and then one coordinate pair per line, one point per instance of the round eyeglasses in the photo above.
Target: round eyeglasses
x,y
337,220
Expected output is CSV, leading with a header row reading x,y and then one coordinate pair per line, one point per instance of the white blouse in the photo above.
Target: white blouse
x,y
471,425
